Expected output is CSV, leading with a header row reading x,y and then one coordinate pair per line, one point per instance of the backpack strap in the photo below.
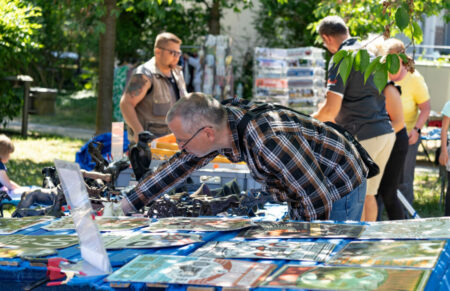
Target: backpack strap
x,y
255,112
248,116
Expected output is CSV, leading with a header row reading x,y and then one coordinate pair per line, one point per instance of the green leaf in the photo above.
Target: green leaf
x,y
404,57
339,55
393,63
365,60
370,68
380,78
357,60
345,68
401,18
417,33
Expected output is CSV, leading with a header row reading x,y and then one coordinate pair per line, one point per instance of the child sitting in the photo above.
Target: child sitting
x,y
6,148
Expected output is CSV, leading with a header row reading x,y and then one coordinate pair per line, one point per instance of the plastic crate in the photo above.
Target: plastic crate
x,y
216,179
164,147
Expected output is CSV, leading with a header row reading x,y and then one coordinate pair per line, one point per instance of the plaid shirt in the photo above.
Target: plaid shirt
x,y
296,158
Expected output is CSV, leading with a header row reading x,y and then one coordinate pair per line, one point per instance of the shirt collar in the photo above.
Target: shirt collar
x,y
234,115
348,42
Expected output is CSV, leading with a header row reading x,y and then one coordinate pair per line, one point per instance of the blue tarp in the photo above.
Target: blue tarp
x,y
83,158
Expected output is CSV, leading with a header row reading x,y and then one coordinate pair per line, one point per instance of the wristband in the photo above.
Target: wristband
x,y
417,129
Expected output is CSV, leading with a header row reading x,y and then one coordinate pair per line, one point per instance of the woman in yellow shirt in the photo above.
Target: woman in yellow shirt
x,y
416,109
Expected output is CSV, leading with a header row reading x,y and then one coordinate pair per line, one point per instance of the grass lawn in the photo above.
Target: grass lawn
x,y
72,110
36,152
427,190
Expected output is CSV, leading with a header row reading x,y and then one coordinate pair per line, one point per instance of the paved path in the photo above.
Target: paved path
x,y
80,133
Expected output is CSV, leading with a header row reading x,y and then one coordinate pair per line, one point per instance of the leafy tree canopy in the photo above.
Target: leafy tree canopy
x,y
284,24
374,16
371,16
17,40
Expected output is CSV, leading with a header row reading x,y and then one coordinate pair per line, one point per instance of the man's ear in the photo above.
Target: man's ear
x,y
326,38
210,133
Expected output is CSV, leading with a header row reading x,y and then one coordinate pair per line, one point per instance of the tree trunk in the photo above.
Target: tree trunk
x,y
106,70
214,18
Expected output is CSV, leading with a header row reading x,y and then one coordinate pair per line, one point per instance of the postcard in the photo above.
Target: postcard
x,y
348,278
302,230
425,228
192,270
105,223
22,252
199,224
38,241
12,225
281,250
135,240
409,253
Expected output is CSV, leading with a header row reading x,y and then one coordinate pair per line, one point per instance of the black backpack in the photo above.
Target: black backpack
x,y
255,112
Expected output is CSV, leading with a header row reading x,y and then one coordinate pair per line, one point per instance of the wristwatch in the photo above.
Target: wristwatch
x,y
417,129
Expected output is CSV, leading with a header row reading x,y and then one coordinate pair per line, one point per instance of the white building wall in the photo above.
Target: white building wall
x,y
241,29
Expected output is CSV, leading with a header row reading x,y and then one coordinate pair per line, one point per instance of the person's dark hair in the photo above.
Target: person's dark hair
x,y
332,25
197,110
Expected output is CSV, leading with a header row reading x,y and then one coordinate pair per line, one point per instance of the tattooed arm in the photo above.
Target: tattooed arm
x,y
134,93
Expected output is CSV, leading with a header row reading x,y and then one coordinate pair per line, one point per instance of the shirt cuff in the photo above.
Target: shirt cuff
x,y
126,206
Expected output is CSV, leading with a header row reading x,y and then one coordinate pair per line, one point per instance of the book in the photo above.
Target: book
x,y
12,225
135,240
192,270
425,228
281,250
38,241
22,252
199,224
411,253
301,230
348,278
104,223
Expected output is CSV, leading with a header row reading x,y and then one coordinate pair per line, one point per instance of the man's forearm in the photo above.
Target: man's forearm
x,y
424,113
330,108
130,117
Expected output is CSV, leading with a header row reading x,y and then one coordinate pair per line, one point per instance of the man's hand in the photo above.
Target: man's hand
x,y
443,157
413,136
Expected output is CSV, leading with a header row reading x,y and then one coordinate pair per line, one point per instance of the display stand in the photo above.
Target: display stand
x,y
290,77
217,67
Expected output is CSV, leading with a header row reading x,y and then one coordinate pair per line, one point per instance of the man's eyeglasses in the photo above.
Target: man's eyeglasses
x,y
172,52
185,143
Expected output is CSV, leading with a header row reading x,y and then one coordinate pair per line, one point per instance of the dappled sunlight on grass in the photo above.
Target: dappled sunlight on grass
x,y
427,191
33,154
26,172
71,112
45,149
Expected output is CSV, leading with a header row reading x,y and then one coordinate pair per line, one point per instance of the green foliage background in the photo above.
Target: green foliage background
x,y
17,41
34,33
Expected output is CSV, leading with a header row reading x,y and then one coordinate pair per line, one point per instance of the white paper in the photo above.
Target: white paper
x,y
91,243
117,141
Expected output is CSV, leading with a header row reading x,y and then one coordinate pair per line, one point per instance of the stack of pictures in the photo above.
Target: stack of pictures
x,y
290,77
